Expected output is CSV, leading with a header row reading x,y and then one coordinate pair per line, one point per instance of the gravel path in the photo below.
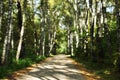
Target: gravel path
x,y
59,67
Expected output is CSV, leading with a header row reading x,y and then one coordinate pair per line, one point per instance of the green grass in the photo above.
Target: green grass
x,y
22,63
106,72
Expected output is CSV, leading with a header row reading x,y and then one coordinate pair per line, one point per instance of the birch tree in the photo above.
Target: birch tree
x,y
21,12
7,40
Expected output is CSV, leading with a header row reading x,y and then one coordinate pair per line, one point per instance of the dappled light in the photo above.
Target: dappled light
x,y
59,67
60,39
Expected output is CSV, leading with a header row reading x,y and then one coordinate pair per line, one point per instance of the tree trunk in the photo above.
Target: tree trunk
x,y
71,44
117,8
1,13
93,12
7,40
22,25
68,40
76,19
44,29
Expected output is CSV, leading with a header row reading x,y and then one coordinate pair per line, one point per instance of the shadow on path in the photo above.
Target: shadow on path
x,y
59,67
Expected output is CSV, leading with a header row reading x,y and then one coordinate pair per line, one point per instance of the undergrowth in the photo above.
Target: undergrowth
x,y
22,63
105,71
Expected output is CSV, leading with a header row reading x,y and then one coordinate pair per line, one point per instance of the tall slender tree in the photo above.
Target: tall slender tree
x,y
1,13
7,40
117,8
21,12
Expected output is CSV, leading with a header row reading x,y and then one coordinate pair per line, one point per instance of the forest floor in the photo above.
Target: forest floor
x,y
58,67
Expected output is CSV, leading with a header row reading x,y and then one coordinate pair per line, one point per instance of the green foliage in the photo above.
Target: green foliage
x,y
62,47
112,25
61,41
104,71
22,63
48,17
3,72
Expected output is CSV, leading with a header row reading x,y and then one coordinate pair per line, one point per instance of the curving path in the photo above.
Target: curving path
x,y
59,67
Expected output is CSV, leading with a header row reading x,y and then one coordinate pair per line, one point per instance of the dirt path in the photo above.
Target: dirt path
x,y
59,67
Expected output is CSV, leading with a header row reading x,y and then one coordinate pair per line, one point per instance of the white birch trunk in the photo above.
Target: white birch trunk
x,y
7,40
21,32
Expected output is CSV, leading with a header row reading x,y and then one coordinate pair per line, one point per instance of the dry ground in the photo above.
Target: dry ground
x,y
59,67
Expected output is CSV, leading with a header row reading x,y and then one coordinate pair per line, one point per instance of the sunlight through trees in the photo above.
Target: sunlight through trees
x,y
87,29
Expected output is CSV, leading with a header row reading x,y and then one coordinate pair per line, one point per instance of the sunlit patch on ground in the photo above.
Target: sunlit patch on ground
x,y
59,67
